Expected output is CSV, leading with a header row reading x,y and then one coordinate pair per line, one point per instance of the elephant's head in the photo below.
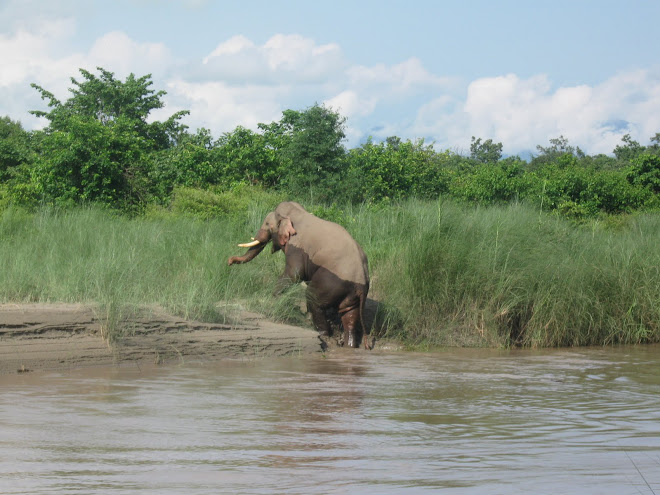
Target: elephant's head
x,y
276,227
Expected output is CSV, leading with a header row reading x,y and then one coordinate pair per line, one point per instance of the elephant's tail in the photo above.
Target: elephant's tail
x,y
365,330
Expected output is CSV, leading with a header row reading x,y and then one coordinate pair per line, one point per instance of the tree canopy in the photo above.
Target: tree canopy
x,y
97,145
102,145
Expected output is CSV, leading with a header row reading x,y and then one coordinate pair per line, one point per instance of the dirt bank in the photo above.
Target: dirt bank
x,y
61,336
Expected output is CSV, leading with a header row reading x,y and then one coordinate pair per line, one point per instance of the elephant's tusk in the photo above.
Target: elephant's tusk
x,y
249,244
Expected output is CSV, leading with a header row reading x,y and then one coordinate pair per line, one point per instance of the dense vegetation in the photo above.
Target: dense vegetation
x,y
445,274
100,147
107,206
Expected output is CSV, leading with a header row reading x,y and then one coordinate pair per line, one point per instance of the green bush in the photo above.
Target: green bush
x,y
491,183
394,170
214,203
645,172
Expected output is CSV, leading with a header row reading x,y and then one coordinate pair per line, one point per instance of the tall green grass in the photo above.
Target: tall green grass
x,y
508,276
445,274
116,263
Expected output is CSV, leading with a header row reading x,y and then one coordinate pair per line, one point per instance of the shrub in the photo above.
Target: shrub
x,y
206,204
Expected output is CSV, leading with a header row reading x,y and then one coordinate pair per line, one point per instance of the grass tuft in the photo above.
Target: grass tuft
x,y
445,274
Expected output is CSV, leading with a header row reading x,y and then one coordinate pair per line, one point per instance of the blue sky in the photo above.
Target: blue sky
x,y
519,72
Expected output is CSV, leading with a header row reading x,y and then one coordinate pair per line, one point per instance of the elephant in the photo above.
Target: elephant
x,y
323,254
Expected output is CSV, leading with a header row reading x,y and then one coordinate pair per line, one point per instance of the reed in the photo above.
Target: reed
x,y
95,257
507,276
446,274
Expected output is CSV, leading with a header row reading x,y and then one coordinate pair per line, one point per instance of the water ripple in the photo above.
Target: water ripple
x,y
584,421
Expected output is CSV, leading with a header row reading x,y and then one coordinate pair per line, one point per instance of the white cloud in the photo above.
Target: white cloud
x,y
241,82
32,15
370,93
406,77
27,54
300,59
283,58
117,52
221,107
522,113
31,56
297,72
350,104
233,46
42,55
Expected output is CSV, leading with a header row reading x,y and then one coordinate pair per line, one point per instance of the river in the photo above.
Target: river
x,y
460,421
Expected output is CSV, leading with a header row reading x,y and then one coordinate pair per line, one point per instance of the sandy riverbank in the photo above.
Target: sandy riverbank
x,y
64,336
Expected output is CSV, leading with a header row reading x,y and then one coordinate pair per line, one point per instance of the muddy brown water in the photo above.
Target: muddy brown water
x,y
567,421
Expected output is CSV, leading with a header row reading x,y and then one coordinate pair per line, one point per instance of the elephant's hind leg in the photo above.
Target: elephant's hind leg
x,y
350,320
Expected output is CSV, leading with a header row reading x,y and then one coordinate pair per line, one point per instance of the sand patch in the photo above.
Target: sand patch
x,y
62,336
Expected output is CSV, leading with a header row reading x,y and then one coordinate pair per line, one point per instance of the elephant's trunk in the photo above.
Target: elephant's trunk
x,y
255,247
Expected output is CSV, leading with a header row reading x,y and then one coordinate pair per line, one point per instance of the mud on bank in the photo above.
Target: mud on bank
x,y
63,336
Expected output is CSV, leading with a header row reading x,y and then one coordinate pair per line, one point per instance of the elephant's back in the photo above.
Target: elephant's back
x,y
333,248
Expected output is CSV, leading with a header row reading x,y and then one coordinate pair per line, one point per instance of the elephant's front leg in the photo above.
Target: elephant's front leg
x,y
319,318
293,271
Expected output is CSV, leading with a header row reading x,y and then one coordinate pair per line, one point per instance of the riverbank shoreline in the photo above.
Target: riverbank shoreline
x,y
59,336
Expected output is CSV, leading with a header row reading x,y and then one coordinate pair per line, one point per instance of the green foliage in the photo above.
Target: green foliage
x,y
580,192
645,172
654,148
92,162
311,148
101,146
247,156
491,183
629,150
14,147
98,143
485,152
558,147
106,100
189,164
16,157
202,203
393,170
94,257
209,204
331,213
458,275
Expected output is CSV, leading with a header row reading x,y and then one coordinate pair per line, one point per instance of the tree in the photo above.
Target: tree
x,y
645,172
485,152
190,163
108,100
393,142
247,157
654,147
560,146
559,152
310,143
629,150
98,144
14,146
393,170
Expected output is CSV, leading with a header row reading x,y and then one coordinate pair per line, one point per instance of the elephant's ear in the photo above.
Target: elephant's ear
x,y
285,231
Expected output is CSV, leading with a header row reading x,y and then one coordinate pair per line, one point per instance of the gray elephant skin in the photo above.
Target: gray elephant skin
x,y
324,255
